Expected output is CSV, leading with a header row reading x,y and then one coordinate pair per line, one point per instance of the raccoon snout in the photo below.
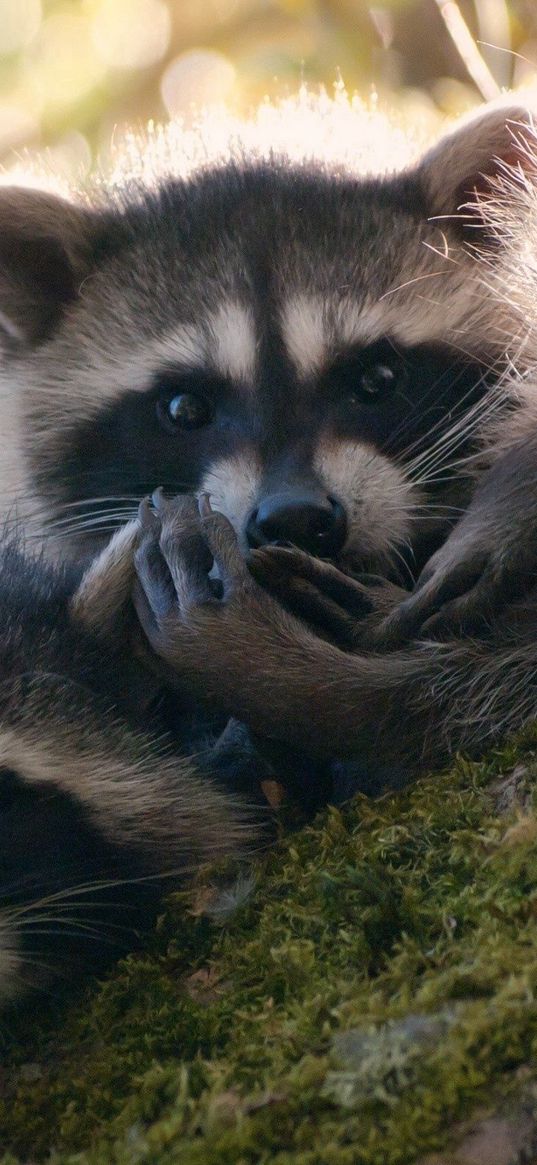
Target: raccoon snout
x,y
313,522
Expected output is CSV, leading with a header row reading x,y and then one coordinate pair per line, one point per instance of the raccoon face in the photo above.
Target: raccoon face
x,y
310,348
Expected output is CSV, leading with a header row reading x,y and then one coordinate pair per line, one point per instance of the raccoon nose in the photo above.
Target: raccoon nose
x,y
313,522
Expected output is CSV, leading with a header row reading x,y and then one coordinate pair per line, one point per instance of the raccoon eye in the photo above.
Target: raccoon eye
x,y
375,381
185,410
370,376
372,383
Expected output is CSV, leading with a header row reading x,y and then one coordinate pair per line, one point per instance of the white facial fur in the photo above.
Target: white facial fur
x,y
315,329
233,484
232,342
304,327
374,491
376,495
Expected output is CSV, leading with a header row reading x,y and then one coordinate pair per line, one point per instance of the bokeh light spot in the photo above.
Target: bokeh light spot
x,y
16,126
131,34
63,66
19,23
198,77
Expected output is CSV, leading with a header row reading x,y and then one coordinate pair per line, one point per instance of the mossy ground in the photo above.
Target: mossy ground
x,y
409,923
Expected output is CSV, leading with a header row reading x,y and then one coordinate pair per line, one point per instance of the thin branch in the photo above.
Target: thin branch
x,y
468,50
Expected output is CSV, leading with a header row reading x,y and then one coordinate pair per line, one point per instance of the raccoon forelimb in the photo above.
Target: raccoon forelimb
x,y
267,667
487,562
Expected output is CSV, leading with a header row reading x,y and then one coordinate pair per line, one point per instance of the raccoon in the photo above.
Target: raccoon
x,y
316,352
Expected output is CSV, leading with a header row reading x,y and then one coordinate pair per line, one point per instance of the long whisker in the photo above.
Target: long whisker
x,y
395,552
95,515
15,912
495,368
433,458
33,922
91,518
91,501
411,282
440,423
67,525
74,929
422,508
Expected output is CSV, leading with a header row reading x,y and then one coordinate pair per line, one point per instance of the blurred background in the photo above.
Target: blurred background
x,y
74,72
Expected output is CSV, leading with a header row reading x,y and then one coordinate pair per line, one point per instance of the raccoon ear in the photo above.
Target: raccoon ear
x,y
494,151
44,255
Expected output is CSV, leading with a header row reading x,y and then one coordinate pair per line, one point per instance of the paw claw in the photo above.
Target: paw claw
x,y
158,499
147,518
224,546
204,506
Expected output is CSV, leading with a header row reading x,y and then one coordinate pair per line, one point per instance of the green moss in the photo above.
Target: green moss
x,y
377,987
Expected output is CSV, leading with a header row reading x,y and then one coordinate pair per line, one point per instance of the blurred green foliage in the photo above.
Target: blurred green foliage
x,y
73,70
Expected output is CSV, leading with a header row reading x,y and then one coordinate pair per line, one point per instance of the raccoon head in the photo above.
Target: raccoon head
x,y
313,348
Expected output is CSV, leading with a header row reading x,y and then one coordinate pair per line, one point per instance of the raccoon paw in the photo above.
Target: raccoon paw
x,y
203,628
489,560
460,592
345,610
